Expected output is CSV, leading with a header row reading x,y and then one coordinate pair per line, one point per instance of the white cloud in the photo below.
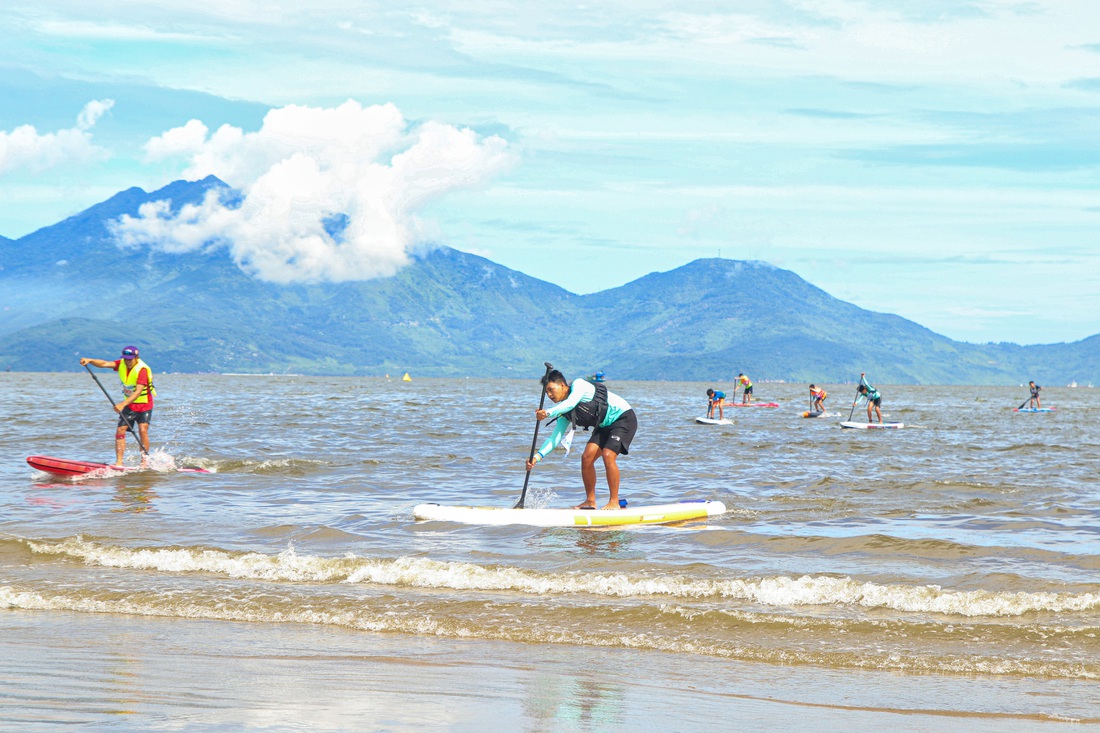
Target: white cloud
x,y
304,166
25,147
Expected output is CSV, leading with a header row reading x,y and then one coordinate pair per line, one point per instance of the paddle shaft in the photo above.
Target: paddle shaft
x,y
855,401
534,439
129,425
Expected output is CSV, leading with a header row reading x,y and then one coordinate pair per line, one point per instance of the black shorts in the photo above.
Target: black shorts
x,y
748,390
877,402
136,418
617,436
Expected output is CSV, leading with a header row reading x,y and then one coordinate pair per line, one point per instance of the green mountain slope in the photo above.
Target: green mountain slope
x,y
68,290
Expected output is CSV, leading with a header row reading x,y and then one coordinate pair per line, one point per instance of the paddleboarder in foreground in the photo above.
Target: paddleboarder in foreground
x,y
588,406
717,399
874,399
137,407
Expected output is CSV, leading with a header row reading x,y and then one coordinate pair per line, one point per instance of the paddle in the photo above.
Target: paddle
x,y
856,400
129,425
535,439
1023,403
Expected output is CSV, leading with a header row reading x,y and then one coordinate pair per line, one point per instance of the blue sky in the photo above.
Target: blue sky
x,y
938,160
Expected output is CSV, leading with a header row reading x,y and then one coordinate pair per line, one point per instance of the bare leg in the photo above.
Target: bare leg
x,y
120,447
720,415
588,474
611,466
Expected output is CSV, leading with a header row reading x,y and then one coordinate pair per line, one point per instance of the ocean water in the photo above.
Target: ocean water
x,y
946,574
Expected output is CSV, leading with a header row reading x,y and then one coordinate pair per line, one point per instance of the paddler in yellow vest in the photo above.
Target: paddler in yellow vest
x,y
137,407
746,384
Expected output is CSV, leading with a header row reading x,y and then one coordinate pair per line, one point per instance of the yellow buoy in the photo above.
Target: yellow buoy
x,y
406,378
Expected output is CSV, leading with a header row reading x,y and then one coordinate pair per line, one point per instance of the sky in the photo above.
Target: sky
x,y
938,160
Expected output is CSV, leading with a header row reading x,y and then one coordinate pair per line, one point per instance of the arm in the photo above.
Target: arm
x,y
101,363
560,426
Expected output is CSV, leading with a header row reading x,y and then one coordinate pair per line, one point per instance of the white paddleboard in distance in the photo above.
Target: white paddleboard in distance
x,y
713,421
684,511
872,425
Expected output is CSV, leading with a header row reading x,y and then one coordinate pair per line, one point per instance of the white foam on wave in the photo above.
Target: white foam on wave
x,y
777,591
503,624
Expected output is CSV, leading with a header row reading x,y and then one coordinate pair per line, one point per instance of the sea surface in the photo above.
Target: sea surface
x,y
944,576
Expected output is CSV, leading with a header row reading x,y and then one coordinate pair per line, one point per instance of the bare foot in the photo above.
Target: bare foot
x,y
611,505
584,506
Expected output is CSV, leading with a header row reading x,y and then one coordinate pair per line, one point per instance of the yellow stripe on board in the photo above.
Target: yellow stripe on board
x,y
582,520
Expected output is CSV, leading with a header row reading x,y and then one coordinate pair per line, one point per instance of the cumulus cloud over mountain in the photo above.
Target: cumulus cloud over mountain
x,y
319,194
25,147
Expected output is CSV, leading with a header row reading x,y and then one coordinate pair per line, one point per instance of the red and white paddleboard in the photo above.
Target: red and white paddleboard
x,y
68,467
752,404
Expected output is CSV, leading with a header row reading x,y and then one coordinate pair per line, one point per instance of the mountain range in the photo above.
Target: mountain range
x,y
69,290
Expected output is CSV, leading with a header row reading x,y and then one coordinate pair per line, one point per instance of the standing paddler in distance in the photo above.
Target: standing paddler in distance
x,y
872,395
1034,402
137,407
746,391
715,398
588,405
817,399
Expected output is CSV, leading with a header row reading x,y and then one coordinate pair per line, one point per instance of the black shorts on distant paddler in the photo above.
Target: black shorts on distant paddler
x,y
617,435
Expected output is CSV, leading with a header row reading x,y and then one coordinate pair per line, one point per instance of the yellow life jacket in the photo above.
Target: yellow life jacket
x,y
129,379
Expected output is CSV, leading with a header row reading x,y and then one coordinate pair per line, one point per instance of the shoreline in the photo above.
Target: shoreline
x,y
131,673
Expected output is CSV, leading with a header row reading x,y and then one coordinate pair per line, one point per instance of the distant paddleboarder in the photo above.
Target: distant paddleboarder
x,y
137,407
1034,402
872,395
746,393
717,399
817,399
589,406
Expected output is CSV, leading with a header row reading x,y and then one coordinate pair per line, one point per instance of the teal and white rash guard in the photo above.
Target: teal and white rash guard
x,y
580,391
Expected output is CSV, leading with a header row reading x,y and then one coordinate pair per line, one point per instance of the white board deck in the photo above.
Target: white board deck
x,y
713,421
872,425
820,414
658,514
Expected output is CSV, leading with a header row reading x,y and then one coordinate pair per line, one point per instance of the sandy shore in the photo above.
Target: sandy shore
x,y
112,672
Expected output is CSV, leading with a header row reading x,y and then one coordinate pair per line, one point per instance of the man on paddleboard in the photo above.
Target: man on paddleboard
x,y
746,394
137,407
817,399
1034,402
589,406
874,399
717,399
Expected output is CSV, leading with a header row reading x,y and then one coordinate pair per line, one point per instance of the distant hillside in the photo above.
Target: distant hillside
x,y
68,290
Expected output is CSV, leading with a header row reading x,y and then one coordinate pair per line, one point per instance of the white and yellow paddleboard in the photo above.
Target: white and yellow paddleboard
x,y
685,511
